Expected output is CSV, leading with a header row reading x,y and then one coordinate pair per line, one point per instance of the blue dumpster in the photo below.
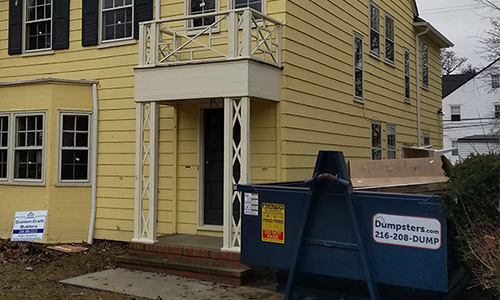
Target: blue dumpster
x,y
322,227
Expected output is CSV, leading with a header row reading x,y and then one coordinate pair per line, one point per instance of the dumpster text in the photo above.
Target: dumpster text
x,y
273,223
407,231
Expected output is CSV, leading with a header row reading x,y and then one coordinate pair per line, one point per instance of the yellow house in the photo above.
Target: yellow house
x,y
129,119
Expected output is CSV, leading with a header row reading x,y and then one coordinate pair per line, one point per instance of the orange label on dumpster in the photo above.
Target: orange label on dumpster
x,y
273,223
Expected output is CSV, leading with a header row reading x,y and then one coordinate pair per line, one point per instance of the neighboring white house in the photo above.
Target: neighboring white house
x,y
471,110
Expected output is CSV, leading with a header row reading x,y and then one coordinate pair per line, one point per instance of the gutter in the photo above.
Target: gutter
x,y
417,44
157,10
94,164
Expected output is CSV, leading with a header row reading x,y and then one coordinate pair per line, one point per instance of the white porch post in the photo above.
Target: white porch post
x,y
146,182
236,153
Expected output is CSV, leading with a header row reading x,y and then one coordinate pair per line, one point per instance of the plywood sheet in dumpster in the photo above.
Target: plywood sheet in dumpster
x,y
374,173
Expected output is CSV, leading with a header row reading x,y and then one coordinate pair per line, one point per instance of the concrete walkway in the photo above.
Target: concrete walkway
x,y
161,286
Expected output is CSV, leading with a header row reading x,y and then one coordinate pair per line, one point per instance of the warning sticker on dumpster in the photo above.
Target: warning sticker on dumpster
x,y
251,204
273,223
407,231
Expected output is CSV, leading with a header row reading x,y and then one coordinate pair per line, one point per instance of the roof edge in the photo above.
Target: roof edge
x,y
445,42
48,80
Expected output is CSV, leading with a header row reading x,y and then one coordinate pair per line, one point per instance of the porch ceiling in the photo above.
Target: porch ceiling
x,y
228,78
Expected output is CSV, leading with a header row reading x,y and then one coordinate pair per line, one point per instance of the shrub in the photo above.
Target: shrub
x,y
473,204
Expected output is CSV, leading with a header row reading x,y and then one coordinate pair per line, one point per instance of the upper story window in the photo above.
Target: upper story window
x,y
38,24
406,59
497,111
391,141
374,29
455,113
4,144
74,147
495,81
117,19
389,38
425,65
376,129
197,7
255,4
358,67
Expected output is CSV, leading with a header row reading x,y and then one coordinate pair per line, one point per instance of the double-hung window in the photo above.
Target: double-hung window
x,y
455,113
454,145
358,67
425,65
391,141
376,137
495,81
497,111
255,4
4,146
374,29
74,149
28,147
389,38
197,7
117,19
406,58
38,24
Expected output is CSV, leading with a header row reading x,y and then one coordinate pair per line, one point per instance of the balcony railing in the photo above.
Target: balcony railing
x,y
241,33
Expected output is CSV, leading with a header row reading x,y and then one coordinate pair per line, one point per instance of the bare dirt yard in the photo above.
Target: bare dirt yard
x,y
31,271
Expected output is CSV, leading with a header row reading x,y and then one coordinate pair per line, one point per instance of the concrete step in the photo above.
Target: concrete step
x,y
234,275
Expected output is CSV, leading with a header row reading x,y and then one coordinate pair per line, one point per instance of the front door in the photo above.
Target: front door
x,y
213,166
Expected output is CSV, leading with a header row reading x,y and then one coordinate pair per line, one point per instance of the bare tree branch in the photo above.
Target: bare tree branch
x,y
450,62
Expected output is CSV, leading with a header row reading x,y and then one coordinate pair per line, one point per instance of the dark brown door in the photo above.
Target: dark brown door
x,y
214,166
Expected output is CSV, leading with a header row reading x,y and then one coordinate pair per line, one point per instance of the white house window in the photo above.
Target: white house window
x,y
358,66
455,113
454,152
374,29
74,151
38,24
4,144
391,141
495,81
425,65
497,111
407,74
389,38
28,148
427,139
197,7
255,4
376,140
117,19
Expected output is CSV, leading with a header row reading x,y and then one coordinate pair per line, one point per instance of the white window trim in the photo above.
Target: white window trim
x,y
59,181
459,112
456,146
388,16
8,145
358,98
425,64
407,74
115,42
196,29
371,139
11,149
376,54
392,131
232,5
44,50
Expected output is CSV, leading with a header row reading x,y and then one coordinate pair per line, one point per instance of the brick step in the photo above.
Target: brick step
x,y
234,275
186,254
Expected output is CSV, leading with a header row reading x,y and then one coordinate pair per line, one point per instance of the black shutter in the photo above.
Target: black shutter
x,y
90,22
60,37
15,27
143,11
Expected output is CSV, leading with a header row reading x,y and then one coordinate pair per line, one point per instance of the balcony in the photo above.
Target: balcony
x,y
237,55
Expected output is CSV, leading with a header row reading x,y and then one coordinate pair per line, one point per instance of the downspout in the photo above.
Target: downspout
x,y
157,10
93,172
417,44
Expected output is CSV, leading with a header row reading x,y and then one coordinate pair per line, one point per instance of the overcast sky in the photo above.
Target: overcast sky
x,y
461,22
